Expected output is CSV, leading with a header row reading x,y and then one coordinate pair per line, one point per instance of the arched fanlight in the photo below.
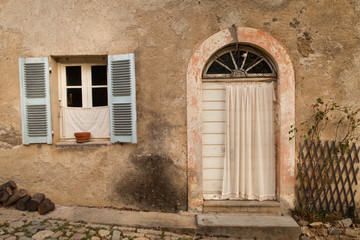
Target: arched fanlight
x,y
239,62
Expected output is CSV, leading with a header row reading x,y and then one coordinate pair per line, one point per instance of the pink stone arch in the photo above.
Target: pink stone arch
x,y
286,110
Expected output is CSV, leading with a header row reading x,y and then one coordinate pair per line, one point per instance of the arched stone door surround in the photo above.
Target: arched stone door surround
x,y
286,109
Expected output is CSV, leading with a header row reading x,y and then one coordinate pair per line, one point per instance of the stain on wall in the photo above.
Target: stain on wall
x,y
152,184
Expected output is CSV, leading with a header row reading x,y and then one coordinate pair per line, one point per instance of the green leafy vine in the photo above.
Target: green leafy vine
x,y
329,121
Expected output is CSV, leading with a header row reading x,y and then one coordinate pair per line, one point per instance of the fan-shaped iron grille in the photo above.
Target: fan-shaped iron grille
x,y
239,62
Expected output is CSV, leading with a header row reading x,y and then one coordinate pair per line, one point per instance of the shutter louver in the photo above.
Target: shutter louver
x,y
122,119
35,100
120,73
36,120
34,74
122,99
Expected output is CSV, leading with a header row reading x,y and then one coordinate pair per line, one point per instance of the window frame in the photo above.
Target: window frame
x,y
86,84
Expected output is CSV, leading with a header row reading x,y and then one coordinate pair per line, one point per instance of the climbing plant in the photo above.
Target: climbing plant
x,y
321,164
329,117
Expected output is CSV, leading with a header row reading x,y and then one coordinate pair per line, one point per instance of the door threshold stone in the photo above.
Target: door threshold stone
x,y
250,227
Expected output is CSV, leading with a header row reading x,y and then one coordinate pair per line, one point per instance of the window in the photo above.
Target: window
x,y
84,97
239,62
95,95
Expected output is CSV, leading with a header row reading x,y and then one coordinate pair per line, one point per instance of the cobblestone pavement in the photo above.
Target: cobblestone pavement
x,y
27,229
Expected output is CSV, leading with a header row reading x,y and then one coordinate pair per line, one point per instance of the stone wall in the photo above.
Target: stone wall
x,y
321,37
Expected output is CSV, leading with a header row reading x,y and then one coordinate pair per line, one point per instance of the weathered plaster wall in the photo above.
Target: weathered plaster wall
x,y
321,37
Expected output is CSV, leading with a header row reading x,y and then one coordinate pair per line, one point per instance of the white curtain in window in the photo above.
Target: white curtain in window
x,y
249,164
94,120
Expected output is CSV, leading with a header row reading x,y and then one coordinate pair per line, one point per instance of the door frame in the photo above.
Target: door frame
x,y
285,158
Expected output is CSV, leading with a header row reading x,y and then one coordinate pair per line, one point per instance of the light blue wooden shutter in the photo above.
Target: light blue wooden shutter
x,y
35,100
122,98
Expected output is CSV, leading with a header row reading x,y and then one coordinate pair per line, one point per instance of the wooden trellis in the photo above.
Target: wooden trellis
x,y
327,176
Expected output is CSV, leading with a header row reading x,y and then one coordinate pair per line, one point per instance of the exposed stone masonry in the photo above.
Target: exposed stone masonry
x,y
343,229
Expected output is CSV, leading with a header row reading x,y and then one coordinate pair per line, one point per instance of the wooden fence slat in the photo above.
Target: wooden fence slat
x,y
328,176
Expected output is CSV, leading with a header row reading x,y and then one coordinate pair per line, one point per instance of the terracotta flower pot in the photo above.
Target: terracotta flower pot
x,y
82,137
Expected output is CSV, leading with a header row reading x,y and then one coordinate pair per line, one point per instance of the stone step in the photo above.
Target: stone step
x,y
242,207
249,227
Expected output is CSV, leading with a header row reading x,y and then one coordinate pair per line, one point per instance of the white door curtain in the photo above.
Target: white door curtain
x,y
249,163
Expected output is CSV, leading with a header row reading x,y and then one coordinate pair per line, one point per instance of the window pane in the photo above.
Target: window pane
x,y
250,60
98,75
99,97
227,60
73,75
261,67
74,97
239,57
216,68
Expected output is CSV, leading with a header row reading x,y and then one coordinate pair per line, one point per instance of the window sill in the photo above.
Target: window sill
x,y
75,145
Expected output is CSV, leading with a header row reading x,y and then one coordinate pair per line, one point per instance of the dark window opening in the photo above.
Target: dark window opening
x,y
99,97
98,75
73,75
216,68
74,97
